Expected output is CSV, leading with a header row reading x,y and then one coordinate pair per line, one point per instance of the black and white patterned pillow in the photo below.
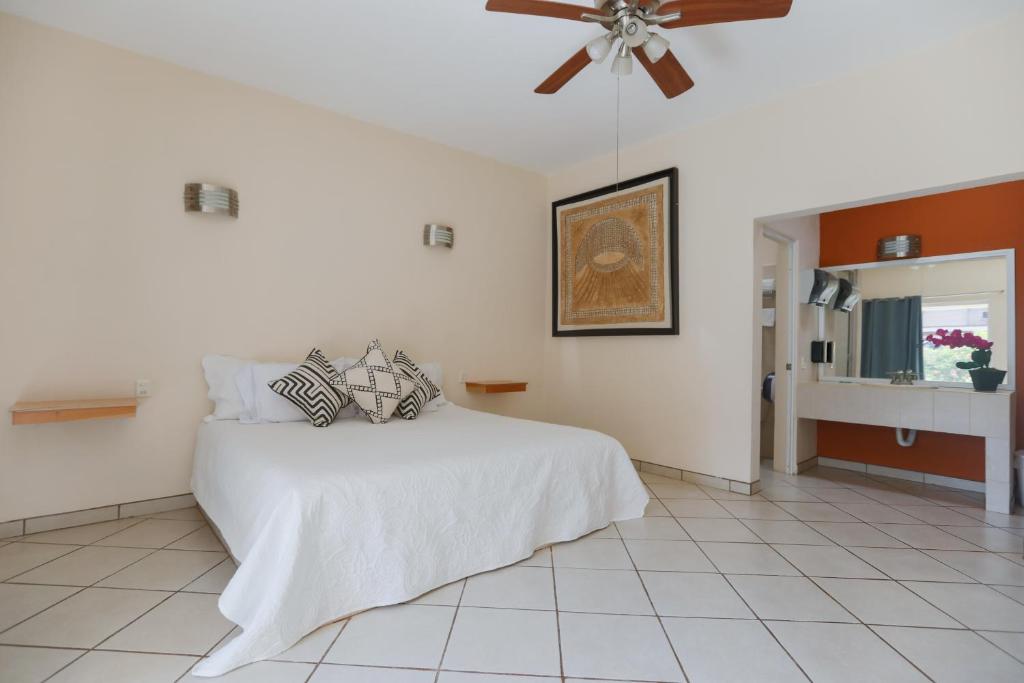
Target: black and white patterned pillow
x,y
310,387
375,385
425,392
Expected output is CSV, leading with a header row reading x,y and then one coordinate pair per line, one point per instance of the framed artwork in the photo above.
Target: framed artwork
x,y
615,259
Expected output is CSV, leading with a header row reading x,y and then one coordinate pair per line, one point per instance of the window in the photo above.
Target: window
x,y
969,315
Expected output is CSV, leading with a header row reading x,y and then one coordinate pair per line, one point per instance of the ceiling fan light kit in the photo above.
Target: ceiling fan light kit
x,y
622,65
656,47
599,47
628,22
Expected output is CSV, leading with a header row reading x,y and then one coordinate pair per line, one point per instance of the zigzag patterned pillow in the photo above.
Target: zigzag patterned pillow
x,y
426,391
310,387
374,384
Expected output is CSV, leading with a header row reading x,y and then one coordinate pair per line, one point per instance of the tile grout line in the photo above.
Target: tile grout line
x,y
888,577
170,595
324,654
738,595
654,610
93,585
451,629
981,634
922,598
558,619
80,588
814,583
842,607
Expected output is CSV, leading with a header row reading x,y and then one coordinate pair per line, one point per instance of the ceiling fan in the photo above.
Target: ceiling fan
x,y
629,21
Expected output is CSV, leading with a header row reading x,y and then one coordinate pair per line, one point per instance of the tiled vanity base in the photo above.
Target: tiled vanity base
x,y
698,478
949,411
32,525
909,475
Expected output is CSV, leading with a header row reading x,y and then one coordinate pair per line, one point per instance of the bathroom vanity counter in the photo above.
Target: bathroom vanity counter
x,y
926,408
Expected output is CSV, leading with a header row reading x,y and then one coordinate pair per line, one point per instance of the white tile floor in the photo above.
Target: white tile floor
x,y
830,575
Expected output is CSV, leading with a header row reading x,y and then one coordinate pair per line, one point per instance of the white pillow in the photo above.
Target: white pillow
x,y
434,374
268,405
263,404
220,374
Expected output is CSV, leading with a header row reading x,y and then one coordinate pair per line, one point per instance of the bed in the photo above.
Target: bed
x,y
329,522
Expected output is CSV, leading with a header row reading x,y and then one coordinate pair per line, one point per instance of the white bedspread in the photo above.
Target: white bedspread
x,y
329,522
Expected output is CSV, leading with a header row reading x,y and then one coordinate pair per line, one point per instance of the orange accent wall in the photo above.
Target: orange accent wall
x,y
977,219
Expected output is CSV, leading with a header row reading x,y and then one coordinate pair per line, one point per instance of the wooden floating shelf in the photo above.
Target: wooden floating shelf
x,y
494,386
43,412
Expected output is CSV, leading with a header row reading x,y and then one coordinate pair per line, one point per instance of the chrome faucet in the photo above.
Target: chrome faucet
x,y
903,377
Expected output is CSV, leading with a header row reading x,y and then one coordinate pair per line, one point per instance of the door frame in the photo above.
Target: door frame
x,y
792,247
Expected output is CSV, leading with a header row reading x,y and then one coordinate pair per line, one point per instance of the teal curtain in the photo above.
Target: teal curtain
x,y
891,337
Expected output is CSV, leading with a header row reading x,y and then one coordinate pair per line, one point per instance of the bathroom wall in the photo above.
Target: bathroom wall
x,y
977,219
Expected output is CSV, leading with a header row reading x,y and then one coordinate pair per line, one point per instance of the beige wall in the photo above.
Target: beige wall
x,y
947,115
106,279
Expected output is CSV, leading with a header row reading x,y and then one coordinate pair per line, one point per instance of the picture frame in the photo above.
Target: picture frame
x,y
615,259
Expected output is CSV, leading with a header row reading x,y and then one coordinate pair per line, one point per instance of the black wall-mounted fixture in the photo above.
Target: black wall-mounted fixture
x,y
822,352
817,287
848,296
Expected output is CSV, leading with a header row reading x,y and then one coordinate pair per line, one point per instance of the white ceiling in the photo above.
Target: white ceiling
x,y
448,71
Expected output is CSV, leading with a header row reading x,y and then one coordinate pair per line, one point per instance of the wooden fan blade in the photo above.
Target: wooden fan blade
x,y
564,73
667,72
701,12
540,8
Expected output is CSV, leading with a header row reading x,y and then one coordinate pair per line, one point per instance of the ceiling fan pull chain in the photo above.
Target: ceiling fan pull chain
x,y
618,125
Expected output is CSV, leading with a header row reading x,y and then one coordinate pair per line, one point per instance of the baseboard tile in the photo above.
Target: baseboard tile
x,y
906,475
706,480
745,489
64,520
148,507
842,464
35,525
698,478
660,470
12,529
954,483
807,464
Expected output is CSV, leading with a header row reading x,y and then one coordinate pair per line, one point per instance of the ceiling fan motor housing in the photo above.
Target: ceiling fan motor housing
x,y
633,31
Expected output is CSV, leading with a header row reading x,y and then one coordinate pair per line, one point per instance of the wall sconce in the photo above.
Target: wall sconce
x,y
207,198
899,247
438,236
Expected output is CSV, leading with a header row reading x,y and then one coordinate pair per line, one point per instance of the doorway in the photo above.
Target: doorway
x,y
778,350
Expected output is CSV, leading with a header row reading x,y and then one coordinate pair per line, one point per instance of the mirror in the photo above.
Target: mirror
x,y
903,302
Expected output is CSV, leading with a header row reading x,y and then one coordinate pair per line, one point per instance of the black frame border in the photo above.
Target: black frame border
x,y
673,246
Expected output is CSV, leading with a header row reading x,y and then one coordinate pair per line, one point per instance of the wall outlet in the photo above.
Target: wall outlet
x,y
143,388
463,377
